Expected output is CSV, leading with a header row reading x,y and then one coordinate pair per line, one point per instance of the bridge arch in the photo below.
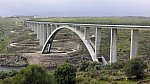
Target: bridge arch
x,y
89,47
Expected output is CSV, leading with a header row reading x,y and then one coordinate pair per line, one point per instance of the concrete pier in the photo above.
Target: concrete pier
x,y
48,30
44,33
38,31
113,46
41,35
97,41
30,26
134,44
34,26
86,33
27,25
53,27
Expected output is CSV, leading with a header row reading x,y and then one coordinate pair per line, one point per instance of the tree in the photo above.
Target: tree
x,y
33,74
65,74
135,67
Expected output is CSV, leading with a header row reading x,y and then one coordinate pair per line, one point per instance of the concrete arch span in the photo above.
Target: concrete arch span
x,y
48,43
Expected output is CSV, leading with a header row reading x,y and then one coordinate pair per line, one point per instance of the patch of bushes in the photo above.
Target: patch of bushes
x,y
5,74
135,67
65,74
90,65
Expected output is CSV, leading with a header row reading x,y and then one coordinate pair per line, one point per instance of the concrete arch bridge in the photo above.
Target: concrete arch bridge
x,y
46,32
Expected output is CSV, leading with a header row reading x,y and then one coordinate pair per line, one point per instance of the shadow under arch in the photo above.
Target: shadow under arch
x,y
49,41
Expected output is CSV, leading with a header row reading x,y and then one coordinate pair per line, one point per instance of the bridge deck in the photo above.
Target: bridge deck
x,y
100,25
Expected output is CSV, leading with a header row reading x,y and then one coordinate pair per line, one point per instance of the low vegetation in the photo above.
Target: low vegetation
x,y
65,74
87,72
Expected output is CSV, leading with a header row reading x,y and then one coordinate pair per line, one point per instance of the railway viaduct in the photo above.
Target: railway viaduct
x,y
46,32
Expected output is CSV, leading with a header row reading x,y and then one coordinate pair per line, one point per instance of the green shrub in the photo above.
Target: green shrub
x,y
3,75
135,67
32,74
65,74
83,66
90,65
118,65
7,80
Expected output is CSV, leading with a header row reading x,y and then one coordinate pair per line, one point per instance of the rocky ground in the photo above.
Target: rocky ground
x,y
13,60
48,60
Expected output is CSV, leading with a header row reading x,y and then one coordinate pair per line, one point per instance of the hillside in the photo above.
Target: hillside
x,y
99,20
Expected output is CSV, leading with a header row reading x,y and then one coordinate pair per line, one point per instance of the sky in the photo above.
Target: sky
x,y
75,7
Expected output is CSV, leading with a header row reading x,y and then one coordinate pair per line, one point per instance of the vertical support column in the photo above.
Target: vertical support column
x,y
48,30
26,24
38,31
35,28
41,34
30,25
44,29
53,27
34,24
86,33
134,44
113,46
97,41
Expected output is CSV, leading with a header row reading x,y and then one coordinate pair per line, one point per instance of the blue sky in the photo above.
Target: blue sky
x,y
75,7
